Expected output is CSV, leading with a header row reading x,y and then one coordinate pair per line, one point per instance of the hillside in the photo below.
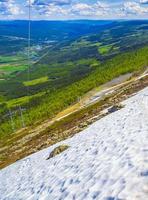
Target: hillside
x,y
67,73
106,161
84,51
59,98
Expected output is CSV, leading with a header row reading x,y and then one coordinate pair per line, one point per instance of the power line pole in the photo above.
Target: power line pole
x,y
22,118
12,121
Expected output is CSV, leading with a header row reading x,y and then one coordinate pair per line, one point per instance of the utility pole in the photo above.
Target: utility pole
x,y
22,118
11,121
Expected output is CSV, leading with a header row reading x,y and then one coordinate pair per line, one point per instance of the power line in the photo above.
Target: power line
x,y
29,43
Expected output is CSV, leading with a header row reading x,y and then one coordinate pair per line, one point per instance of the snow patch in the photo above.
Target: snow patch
x,y
107,161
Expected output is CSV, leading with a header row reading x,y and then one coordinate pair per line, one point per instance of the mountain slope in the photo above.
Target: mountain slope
x,y
107,161
64,66
58,99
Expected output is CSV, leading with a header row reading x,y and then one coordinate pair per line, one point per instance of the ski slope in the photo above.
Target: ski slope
x,y
107,161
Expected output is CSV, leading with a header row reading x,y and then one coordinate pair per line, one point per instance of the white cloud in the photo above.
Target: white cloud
x,y
52,9
14,10
132,7
9,7
48,2
81,9
76,9
144,1
90,9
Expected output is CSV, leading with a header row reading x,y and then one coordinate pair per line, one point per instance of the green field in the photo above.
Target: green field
x,y
22,100
10,59
36,81
11,65
7,71
105,49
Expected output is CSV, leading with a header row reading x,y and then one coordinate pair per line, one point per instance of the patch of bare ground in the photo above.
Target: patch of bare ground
x,y
58,150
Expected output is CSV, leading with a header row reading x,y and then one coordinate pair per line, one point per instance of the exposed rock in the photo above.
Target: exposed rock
x,y
115,108
57,151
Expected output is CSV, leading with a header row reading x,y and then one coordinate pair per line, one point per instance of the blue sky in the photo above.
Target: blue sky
x,y
74,9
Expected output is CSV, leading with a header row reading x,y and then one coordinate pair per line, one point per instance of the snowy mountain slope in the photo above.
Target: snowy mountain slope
x,y
107,161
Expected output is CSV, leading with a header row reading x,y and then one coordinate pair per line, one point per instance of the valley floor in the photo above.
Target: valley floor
x,y
106,161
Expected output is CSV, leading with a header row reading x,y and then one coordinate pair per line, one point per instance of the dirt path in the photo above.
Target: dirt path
x,y
96,95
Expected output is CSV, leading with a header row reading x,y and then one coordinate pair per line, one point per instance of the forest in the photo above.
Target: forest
x,y
39,108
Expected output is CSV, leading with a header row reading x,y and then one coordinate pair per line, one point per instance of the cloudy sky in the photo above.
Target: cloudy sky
x,y
74,9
